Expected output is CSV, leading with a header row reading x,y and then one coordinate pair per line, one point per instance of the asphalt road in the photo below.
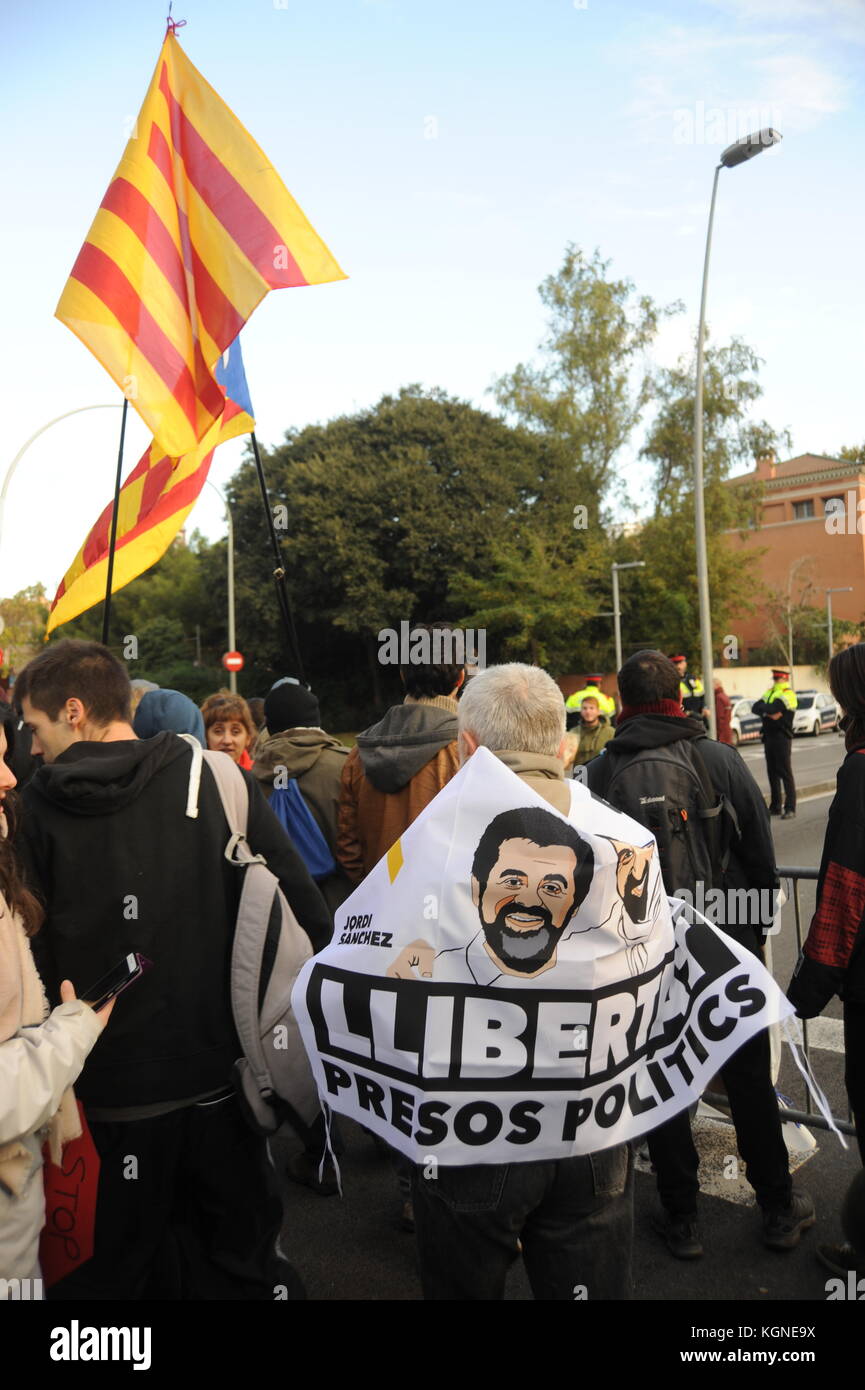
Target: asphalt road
x,y
352,1248
815,760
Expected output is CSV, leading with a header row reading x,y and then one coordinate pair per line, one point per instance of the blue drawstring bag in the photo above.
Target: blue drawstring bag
x,y
297,820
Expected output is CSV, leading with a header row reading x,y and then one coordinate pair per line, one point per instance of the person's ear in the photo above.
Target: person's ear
x,y
460,683
562,748
467,744
74,712
476,891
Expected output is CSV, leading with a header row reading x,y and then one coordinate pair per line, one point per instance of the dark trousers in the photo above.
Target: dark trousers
x,y
854,1067
186,1209
574,1217
754,1107
779,767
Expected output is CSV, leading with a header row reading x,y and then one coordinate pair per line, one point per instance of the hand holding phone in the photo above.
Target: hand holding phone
x,y
67,995
130,969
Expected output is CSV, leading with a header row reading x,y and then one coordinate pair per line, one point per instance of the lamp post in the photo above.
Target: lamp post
x,y
844,589
232,675
735,154
617,614
24,447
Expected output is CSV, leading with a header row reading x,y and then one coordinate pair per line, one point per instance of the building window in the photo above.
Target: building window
x,y
803,510
833,506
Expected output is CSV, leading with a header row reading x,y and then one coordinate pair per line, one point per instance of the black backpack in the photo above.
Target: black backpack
x,y
669,791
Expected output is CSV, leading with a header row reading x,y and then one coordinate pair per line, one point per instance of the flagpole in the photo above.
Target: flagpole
x,y
106,612
279,571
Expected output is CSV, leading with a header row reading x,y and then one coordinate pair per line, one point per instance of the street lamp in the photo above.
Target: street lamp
x,y
116,405
617,614
232,675
734,155
845,589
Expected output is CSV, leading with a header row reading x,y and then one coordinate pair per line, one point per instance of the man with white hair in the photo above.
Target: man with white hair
x,y
573,1217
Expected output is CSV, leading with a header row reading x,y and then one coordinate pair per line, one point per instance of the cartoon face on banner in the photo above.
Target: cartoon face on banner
x,y
508,982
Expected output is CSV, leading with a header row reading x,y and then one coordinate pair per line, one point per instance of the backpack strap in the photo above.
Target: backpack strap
x,y
235,803
194,775
247,951
719,812
603,767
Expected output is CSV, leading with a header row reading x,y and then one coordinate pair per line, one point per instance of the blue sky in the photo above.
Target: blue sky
x,y
446,152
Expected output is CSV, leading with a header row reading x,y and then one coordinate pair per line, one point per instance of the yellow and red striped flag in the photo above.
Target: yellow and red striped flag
x,y
155,501
194,230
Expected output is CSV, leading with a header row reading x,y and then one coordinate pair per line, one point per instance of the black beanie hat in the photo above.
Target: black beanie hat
x,y
290,705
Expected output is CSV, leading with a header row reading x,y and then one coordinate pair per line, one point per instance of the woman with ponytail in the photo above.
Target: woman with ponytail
x,y
41,1053
832,960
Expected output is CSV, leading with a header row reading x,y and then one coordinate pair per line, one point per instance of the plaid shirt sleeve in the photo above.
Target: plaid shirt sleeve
x,y
835,924
826,957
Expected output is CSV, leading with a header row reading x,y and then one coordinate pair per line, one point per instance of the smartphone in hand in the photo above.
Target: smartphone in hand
x,y
130,969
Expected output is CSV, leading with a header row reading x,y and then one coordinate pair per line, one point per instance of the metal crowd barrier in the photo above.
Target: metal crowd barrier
x,y
793,874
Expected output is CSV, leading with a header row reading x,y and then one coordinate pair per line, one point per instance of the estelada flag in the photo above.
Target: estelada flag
x,y
155,501
194,230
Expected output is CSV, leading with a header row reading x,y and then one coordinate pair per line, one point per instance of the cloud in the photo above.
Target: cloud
x,y
803,90
703,85
844,18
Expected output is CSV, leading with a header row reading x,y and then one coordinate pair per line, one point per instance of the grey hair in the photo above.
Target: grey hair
x,y
514,707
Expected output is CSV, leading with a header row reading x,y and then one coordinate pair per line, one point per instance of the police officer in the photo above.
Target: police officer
x,y
776,707
606,704
692,692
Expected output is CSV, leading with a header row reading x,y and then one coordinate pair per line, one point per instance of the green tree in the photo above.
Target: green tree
x,y
381,510
731,437
172,610
24,617
589,390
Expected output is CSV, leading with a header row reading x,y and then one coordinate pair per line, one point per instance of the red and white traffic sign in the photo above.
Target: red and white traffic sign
x,y
232,661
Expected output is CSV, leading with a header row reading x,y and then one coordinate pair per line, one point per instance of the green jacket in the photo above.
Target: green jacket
x,y
592,740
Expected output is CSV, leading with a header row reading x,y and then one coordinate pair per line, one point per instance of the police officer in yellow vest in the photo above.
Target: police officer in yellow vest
x,y
606,705
692,692
776,707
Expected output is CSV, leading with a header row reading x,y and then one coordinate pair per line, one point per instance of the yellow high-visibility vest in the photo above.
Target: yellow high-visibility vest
x,y
606,705
688,692
782,691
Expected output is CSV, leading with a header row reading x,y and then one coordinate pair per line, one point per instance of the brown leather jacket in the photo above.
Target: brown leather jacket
x,y
395,770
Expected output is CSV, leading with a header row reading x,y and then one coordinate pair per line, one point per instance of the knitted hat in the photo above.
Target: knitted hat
x,y
290,705
167,709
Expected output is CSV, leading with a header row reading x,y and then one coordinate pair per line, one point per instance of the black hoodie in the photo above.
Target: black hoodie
x,y
121,867
752,857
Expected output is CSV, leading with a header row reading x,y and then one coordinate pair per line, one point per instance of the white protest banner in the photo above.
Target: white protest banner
x,y
509,984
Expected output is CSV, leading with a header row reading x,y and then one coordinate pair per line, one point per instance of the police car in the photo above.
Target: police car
x,y
745,726
816,713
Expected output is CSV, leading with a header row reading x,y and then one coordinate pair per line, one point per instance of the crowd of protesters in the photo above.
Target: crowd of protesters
x,y
114,841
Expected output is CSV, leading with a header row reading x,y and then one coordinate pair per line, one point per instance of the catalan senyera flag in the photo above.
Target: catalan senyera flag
x,y
155,501
194,230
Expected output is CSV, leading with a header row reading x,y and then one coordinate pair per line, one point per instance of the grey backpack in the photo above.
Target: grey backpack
x,y
273,1078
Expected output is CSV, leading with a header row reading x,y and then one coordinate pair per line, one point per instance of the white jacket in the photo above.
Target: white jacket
x,y
36,1066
